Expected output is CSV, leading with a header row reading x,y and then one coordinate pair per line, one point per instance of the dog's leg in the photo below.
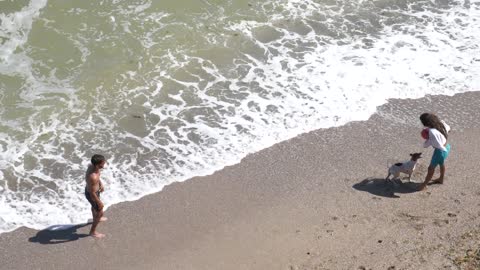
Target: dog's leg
x,y
387,178
410,177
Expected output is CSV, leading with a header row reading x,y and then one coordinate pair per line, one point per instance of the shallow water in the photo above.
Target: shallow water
x,y
176,89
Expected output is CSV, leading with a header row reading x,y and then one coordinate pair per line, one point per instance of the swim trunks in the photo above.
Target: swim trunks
x,y
439,156
91,201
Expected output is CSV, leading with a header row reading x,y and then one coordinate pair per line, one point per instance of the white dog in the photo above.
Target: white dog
x,y
406,167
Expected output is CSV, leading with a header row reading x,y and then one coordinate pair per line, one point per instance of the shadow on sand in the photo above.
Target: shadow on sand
x,y
58,234
380,187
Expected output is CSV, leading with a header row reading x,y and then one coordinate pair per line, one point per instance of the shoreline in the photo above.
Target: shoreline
x,y
316,201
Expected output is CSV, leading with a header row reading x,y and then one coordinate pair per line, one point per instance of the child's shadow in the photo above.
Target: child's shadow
x,y
58,234
381,187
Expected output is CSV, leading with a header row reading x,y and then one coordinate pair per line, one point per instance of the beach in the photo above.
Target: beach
x,y
169,91
317,201
238,135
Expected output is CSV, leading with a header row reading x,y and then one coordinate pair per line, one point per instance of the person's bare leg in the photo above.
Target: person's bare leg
x,y
442,175
96,219
429,176
94,222
101,219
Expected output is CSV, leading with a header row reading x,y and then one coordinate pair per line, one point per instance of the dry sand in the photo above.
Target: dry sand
x,y
317,201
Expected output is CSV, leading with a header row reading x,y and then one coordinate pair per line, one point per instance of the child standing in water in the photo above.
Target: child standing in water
x,y
437,138
93,189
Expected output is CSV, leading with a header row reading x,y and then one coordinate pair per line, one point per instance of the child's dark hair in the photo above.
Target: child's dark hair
x,y
432,121
97,159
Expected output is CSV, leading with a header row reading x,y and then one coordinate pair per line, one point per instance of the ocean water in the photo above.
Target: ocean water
x,y
168,90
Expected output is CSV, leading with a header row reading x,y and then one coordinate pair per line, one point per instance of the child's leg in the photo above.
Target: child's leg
x,y
442,174
429,176
443,156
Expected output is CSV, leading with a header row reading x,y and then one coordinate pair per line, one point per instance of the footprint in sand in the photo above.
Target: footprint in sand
x,y
451,215
425,194
409,216
414,221
419,227
440,222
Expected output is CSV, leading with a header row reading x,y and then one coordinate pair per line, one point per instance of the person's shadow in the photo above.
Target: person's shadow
x,y
381,187
58,234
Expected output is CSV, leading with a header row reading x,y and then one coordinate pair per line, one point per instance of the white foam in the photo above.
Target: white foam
x,y
15,27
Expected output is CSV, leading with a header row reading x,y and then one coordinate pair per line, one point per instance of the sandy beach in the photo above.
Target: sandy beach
x,y
317,201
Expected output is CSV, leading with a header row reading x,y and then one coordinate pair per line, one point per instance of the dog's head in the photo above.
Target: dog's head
x,y
415,156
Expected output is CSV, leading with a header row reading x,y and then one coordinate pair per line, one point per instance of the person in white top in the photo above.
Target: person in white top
x,y
437,138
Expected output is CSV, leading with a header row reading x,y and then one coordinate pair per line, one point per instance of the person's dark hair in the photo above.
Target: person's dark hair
x,y
432,121
97,159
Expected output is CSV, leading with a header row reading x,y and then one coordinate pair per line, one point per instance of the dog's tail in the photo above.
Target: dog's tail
x,y
390,162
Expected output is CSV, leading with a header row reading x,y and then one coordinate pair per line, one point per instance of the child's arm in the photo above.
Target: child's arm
x,y
447,127
428,142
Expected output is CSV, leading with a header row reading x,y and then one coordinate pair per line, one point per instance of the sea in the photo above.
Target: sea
x,y
168,90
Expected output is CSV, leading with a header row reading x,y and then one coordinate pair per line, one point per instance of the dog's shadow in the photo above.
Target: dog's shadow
x,y
381,187
59,234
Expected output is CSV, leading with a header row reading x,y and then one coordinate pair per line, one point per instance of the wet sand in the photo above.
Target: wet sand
x,y
317,201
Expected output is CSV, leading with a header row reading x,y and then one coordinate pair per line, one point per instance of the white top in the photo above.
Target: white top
x,y
436,138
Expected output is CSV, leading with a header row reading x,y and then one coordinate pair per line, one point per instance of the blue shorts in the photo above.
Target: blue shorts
x,y
439,156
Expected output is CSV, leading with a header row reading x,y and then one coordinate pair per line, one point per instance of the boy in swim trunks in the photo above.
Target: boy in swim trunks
x,y
92,192
437,138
